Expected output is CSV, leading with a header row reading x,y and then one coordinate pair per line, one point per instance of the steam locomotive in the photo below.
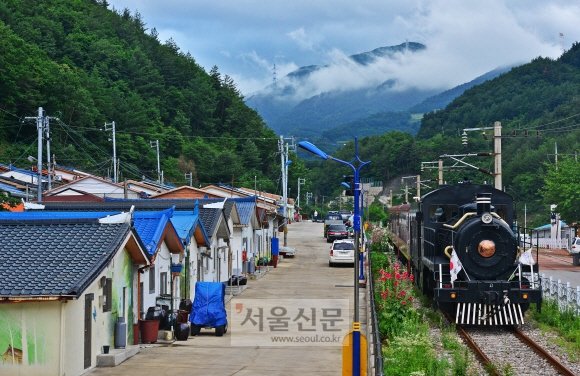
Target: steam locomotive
x,y
468,224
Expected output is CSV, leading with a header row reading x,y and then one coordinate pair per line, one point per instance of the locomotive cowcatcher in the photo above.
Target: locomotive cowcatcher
x,y
474,222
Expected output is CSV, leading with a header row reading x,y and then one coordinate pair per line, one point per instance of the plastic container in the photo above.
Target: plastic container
x,y
149,329
120,333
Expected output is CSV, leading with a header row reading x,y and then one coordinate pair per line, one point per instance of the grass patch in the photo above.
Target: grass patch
x,y
566,323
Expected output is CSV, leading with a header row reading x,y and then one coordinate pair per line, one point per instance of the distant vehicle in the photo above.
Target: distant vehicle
x,y
345,214
341,252
209,311
575,245
332,218
336,232
287,251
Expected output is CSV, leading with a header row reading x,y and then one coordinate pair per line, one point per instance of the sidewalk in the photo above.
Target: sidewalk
x,y
557,263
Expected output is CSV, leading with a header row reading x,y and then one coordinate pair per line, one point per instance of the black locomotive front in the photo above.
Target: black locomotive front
x,y
490,288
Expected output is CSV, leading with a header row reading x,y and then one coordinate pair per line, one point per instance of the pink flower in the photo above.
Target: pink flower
x,y
412,278
383,278
397,266
410,298
396,283
403,293
380,307
388,275
404,302
397,276
382,271
405,274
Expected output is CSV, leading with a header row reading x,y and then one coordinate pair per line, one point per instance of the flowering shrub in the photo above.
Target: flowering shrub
x,y
393,299
379,240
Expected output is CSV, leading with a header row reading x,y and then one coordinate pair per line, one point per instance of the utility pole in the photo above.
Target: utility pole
x,y
115,170
39,127
497,154
156,145
47,136
300,182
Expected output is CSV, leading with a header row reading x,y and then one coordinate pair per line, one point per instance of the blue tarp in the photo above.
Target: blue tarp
x,y
208,305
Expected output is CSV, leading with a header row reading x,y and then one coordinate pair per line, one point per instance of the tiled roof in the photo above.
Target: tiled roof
x,y
48,258
125,205
210,219
185,224
246,208
151,225
42,214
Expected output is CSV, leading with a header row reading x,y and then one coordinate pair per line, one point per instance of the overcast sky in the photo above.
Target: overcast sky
x,y
464,38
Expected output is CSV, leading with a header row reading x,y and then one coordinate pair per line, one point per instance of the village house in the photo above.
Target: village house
x,y
66,281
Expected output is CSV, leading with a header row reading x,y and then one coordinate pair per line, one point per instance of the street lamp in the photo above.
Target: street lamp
x,y
309,147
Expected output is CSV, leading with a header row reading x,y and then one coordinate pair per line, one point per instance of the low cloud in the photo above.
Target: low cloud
x,y
299,36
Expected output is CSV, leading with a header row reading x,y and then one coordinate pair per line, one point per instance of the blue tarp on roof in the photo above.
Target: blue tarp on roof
x,y
185,223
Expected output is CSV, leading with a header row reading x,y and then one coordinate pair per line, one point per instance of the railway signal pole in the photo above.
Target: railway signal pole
x,y
356,335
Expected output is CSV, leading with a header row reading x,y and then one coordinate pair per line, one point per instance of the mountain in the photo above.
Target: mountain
x,y
441,100
407,121
303,103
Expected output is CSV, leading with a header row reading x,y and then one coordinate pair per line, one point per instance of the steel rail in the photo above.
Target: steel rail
x,y
488,365
543,353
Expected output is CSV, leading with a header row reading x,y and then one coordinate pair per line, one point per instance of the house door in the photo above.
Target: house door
x,y
88,328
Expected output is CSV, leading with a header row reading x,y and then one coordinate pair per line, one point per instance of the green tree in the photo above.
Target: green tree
x,y
562,188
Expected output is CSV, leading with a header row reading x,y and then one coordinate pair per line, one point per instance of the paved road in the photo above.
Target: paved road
x,y
557,263
305,276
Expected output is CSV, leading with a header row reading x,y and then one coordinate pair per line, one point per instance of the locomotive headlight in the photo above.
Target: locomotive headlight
x,y
486,218
486,248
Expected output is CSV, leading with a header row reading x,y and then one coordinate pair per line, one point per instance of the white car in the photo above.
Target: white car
x,y
575,245
287,251
341,252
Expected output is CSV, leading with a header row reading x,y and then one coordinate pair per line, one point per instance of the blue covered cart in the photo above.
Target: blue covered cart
x,y
209,311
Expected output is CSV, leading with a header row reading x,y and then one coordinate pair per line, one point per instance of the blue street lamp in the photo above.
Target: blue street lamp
x,y
309,147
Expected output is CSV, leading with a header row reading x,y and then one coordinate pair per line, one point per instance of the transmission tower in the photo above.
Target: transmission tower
x,y
274,75
562,42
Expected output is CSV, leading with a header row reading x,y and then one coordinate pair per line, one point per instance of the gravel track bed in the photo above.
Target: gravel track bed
x,y
546,340
508,353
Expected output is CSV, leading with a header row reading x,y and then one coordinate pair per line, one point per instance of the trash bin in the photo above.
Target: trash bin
x,y
576,259
149,329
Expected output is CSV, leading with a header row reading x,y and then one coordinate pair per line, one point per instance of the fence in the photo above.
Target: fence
x,y
550,243
568,298
375,346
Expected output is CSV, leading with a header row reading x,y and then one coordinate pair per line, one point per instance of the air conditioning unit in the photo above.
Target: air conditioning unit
x,y
58,178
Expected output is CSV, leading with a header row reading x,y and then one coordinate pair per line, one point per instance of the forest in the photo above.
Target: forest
x,y
88,65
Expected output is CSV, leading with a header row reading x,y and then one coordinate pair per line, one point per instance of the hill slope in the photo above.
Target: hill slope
x,y
89,65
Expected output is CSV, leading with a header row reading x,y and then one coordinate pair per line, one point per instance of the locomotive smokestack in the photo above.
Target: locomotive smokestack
x,y
483,201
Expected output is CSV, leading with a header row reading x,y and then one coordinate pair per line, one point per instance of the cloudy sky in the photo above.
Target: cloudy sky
x,y
465,38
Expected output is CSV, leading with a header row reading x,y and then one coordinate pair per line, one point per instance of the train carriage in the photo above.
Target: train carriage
x,y
472,222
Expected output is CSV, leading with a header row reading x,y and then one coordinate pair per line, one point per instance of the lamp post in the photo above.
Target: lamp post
x,y
309,147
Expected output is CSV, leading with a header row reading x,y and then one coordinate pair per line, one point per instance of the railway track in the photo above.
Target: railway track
x,y
500,350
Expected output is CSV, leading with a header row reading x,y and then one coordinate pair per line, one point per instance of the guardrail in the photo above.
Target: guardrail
x,y
375,339
568,298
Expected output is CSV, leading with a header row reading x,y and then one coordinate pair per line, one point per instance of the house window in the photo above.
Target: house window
x,y
152,279
163,282
108,292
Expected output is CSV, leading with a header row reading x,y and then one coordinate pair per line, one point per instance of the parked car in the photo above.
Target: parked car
x,y
341,252
332,219
575,245
209,311
345,214
335,232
